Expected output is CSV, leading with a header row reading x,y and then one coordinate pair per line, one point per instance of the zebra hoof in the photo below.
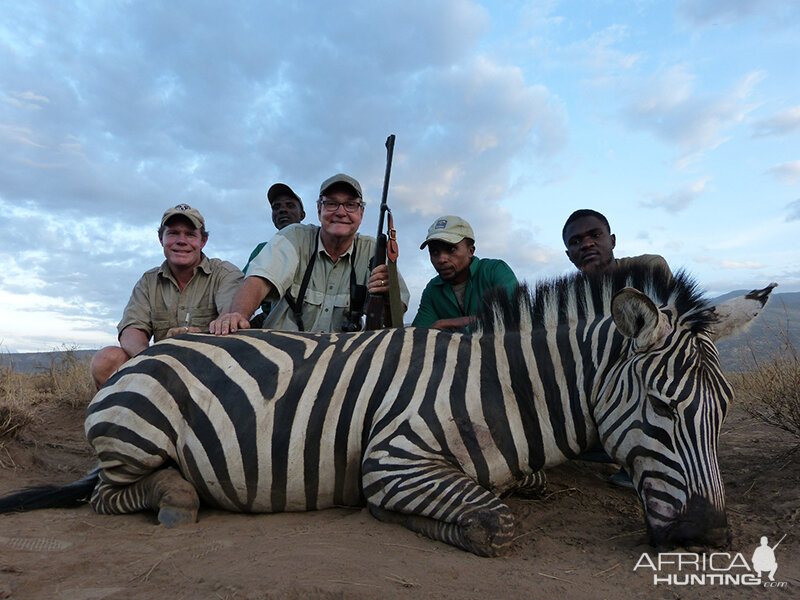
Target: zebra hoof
x,y
171,516
487,533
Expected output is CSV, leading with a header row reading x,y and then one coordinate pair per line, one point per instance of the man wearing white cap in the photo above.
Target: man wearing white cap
x,y
452,298
316,276
184,294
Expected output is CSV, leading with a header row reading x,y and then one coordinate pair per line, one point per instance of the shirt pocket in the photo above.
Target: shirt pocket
x,y
162,321
201,317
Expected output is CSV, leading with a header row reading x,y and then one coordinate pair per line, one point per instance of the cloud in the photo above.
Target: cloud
x,y
134,108
729,264
679,199
598,54
716,12
667,105
794,211
781,123
788,172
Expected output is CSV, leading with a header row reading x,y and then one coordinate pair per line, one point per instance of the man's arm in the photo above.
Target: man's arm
x,y
133,341
454,324
228,282
426,315
245,302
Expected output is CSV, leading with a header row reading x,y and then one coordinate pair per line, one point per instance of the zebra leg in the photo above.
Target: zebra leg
x,y
482,531
533,486
164,491
442,503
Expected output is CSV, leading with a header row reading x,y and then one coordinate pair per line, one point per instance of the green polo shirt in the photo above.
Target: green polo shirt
x,y
439,302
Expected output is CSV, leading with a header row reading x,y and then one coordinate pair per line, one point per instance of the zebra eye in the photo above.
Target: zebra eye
x,y
661,408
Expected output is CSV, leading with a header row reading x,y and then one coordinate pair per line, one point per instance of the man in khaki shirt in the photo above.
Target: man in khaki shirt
x,y
309,271
184,294
590,244
590,247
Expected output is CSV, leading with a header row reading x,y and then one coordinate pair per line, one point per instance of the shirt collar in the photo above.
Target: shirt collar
x,y
204,266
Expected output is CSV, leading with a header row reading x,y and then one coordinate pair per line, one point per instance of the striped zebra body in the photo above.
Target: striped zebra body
x,y
430,428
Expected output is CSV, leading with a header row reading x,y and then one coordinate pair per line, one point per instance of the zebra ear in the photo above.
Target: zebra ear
x,y
637,317
737,314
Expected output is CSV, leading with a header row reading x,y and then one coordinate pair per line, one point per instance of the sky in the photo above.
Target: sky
x,y
679,120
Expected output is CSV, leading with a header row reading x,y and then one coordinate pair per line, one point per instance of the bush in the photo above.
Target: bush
x,y
769,387
67,380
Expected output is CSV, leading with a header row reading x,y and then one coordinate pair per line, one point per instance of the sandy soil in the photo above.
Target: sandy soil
x,y
581,540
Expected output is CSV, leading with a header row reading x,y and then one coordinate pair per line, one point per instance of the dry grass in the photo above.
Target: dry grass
x,y
67,380
769,386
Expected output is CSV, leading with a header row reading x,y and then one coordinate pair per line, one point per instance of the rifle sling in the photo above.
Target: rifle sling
x,y
395,303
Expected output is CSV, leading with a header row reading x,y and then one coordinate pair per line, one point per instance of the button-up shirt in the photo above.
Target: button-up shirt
x,y
283,263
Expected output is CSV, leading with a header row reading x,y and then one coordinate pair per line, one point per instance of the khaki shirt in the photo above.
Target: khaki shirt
x,y
283,263
650,260
158,304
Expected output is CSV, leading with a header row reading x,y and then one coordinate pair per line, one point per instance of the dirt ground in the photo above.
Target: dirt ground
x,y
581,540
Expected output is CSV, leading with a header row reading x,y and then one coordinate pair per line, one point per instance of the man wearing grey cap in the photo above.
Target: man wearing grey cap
x,y
452,298
313,274
184,294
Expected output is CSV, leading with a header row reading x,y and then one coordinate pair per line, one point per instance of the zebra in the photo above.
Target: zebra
x,y
428,428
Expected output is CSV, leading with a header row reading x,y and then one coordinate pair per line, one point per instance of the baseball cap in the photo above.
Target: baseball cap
x,y
279,190
450,229
340,178
187,211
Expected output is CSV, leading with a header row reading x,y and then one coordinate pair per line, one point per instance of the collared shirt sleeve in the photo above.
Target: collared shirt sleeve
x,y
277,262
138,311
502,275
253,254
652,261
227,282
426,315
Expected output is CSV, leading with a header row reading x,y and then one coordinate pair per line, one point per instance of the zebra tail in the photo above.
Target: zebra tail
x,y
69,495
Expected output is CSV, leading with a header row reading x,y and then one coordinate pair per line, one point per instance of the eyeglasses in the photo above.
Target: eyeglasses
x,y
350,206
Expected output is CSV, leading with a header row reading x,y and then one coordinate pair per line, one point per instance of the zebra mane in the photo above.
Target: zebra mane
x,y
584,297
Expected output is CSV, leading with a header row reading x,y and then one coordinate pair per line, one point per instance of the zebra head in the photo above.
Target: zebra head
x,y
662,408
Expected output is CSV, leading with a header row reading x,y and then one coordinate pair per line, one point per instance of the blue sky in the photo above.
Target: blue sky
x,y
678,120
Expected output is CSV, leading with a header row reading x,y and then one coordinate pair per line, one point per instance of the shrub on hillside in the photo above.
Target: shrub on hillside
x,y
769,386
67,380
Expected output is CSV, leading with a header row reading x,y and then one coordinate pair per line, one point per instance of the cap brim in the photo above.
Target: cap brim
x,y
450,238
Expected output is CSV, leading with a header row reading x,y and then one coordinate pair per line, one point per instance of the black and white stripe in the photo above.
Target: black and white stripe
x,y
427,427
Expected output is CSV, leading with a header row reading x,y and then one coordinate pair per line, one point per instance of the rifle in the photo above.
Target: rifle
x,y
375,303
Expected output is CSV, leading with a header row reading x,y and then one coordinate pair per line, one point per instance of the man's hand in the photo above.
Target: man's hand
x,y
173,331
244,304
228,323
378,282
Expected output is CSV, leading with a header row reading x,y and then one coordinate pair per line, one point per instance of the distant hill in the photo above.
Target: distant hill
x,y
777,323
36,362
780,317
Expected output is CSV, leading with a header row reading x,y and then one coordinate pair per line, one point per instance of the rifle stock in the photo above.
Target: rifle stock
x,y
376,302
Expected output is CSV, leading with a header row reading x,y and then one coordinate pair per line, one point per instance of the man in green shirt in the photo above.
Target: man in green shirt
x,y
451,300
287,209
